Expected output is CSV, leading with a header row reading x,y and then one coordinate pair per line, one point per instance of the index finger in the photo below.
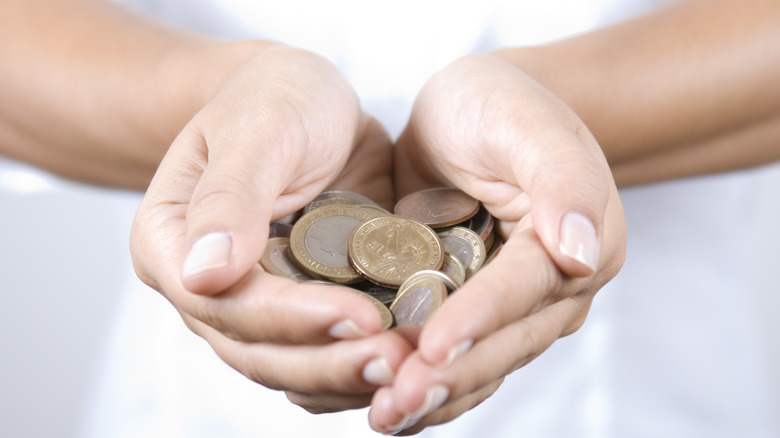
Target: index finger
x,y
518,282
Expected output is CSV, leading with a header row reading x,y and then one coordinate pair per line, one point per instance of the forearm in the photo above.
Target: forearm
x,y
688,76
739,149
95,93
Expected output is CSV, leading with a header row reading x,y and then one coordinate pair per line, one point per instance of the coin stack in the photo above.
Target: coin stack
x,y
405,263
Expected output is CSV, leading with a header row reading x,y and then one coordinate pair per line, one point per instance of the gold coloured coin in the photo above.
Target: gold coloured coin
x,y
278,261
466,246
337,197
375,208
388,249
418,298
438,208
318,241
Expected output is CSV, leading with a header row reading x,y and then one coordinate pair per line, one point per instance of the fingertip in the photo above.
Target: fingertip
x,y
378,372
208,255
210,252
347,329
383,417
579,245
455,352
217,261
453,329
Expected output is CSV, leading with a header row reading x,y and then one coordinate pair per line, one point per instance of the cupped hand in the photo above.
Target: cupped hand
x,y
283,128
484,126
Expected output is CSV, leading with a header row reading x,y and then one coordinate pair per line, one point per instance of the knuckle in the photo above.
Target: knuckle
x,y
217,187
206,311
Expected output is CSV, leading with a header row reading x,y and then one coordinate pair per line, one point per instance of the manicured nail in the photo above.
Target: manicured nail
x,y
456,352
434,398
212,251
579,240
346,329
378,372
405,422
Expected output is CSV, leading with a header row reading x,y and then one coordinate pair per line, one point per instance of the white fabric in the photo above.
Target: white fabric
x,y
682,343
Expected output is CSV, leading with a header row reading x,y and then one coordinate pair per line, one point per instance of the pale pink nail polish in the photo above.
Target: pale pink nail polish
x,y
346,329
401,425
457,351
211,251
579,240
378,372
434,398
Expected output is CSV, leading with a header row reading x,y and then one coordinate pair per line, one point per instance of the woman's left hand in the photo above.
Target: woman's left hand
x,y
487,128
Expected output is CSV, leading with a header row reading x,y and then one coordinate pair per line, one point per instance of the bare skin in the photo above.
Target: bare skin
x,y
252,130
685,90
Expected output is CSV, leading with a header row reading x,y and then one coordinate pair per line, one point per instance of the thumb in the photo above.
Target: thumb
x,y
569,193
227,220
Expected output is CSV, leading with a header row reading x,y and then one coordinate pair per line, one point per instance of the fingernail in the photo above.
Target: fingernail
x,y
434,398
346,329
378,372
212,251
579,240
405,422
456,352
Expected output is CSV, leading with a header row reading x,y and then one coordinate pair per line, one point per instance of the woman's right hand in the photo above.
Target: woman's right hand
x,y
283,128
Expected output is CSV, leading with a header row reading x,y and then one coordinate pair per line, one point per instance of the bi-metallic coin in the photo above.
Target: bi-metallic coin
x,y
418,298
318,241
466,246
278,261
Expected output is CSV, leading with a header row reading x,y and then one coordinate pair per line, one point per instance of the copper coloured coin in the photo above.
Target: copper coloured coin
x,y
482,223
438,208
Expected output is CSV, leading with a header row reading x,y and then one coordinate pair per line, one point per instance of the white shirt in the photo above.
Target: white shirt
x,y
681,343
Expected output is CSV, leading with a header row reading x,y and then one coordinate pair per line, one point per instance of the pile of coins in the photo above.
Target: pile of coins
x,y
405,262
